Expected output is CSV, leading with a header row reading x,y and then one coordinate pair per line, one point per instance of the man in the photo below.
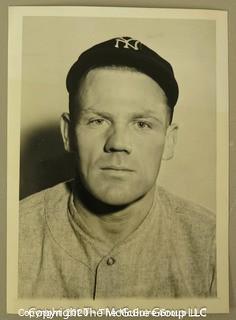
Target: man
x,y
112,232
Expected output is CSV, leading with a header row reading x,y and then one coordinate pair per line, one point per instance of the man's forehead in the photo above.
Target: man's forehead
x,y
112,71
115,74
124,92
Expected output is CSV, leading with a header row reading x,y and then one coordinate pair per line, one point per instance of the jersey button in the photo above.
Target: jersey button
x,y
110,261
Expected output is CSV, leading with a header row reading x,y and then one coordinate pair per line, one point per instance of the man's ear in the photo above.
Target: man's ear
x,y
66,131
170,142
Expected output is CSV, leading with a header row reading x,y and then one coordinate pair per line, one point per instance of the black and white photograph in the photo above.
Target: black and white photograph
x,y
118,124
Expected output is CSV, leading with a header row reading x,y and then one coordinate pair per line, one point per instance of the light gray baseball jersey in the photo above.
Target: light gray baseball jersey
x,y
170,254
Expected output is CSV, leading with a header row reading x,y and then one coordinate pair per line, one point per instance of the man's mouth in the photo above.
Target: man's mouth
x,y
117,168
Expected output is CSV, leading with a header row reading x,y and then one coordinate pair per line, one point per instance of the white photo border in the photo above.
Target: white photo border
x,y
16,16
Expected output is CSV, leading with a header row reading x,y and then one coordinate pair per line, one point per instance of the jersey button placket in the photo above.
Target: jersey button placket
x,y
105,275
110,261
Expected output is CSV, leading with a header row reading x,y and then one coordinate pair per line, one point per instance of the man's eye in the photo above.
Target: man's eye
x,y
143,125
96,122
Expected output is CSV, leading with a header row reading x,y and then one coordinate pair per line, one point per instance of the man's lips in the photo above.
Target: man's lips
x,y
116,168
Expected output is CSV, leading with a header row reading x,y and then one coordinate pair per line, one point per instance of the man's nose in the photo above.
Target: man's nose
x,y
118,140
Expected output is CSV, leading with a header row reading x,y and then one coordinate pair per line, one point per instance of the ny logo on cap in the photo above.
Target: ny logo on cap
x,y
127,43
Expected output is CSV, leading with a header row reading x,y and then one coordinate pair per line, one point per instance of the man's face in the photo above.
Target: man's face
x,y
120,134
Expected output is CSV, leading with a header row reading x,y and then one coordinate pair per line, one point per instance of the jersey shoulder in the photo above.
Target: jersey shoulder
x,y
49,197
185,210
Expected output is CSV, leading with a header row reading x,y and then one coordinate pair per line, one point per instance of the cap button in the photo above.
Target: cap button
x,y
110,261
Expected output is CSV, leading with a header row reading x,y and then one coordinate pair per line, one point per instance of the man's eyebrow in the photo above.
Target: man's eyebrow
x,y
95,111
89,109
147,114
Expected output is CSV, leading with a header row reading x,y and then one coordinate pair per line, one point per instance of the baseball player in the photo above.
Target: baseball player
x,y
112,231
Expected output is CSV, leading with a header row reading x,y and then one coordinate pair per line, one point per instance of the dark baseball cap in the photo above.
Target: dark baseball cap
x,y
125,51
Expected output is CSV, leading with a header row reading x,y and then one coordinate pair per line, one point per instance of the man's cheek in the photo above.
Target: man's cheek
x,y
87,161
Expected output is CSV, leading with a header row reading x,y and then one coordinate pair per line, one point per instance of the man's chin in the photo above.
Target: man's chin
x,y
119,199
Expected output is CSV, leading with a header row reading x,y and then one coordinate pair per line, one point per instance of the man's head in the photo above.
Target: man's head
x,y
119,128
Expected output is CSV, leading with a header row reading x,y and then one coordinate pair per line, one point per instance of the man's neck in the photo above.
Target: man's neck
x,y
111,223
